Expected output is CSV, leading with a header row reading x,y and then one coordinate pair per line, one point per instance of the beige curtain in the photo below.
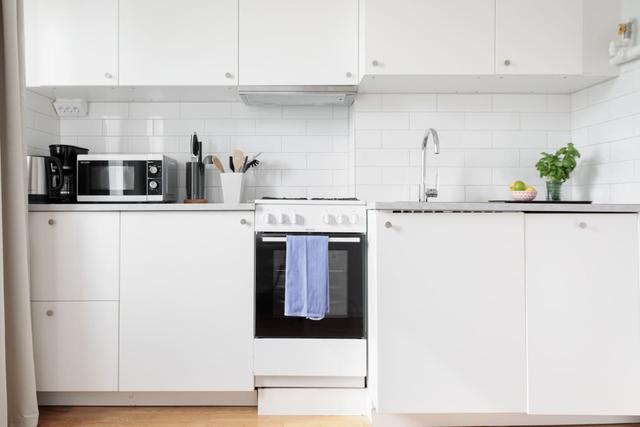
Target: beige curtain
x,y
19,405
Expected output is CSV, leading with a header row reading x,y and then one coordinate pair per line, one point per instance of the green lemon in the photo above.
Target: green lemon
x,y
518,186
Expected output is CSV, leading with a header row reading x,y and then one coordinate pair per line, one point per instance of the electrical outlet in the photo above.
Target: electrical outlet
x,y
71,107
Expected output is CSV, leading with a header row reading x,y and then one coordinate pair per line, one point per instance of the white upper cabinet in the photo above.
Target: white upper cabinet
x,y
178,42
71,42
539,36
298,42
583,314
542,37
414,37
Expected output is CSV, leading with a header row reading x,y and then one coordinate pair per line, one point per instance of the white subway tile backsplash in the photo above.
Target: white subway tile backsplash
x,y
326,161
579,100
77,127
205,110
464,103
229,127
557,139
378,157
439,121
546,121
256,144
520,103
307,177
558,103
368,102
307,144
242,111
128,127
280,127
368,138
492,121
614,88
328,127
368,175
108,110
519,139
492,158
408,102
154,110
164,127
369,121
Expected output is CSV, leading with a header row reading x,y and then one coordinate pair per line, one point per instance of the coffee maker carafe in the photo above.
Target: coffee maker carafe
x,y
63,173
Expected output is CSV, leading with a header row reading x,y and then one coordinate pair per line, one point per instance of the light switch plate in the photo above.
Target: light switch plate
x,y
71,107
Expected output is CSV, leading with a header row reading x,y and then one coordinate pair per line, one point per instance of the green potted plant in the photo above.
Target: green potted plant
x,y
557,168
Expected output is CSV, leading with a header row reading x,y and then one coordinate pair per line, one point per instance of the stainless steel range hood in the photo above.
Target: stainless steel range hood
x,y
297,95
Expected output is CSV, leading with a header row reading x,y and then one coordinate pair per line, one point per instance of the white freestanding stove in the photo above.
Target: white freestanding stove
x,y
304,366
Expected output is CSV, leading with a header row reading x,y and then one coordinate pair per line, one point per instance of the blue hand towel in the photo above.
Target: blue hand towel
x,y
306,289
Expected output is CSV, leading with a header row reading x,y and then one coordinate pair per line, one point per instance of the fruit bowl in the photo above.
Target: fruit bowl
x,y
524,196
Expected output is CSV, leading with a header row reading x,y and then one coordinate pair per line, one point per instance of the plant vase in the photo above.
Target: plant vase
x,y
232,187
554,191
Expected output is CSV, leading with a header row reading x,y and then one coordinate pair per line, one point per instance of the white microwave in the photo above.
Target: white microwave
x,y
125,178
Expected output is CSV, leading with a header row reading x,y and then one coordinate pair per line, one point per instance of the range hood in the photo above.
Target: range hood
x,y
297,95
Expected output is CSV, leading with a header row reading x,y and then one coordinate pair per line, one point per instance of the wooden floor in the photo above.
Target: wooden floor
x,y
85,416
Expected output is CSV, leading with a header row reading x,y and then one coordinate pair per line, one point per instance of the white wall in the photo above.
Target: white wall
x,y
305,148
606,130
42,126
487,141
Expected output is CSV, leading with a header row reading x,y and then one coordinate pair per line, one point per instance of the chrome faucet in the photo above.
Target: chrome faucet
x,y
424,192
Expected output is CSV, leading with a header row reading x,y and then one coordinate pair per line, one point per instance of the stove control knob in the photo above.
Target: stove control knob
x,y
282,218
293,217
267,218
326,218
341,219
353,218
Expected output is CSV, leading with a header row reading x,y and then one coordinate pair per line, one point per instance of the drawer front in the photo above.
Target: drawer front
x,y
76,345
74,256
310,357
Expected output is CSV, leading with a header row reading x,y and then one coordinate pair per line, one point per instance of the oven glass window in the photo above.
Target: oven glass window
x,y
346,293
112,177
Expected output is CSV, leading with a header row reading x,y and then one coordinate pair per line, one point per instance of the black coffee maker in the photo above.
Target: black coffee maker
x,y
63,173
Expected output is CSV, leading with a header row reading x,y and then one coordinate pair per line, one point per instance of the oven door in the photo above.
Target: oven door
x,y
346,290
112,180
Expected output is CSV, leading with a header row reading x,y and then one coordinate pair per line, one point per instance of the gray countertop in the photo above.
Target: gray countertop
x,y
86,207
501,207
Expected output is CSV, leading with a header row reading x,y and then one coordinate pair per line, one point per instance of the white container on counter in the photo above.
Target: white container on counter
x,y
232,187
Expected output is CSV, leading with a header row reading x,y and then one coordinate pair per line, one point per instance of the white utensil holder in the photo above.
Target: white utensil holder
x,y
232,187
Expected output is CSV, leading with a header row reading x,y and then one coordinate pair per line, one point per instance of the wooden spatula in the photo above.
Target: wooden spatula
x,y
218,164
238,160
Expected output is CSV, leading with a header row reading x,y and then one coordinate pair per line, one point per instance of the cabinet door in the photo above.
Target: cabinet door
x,y
583,314
178,42
538,36
76,345
186,314
451,322
428,36
71,42
298,42
74,255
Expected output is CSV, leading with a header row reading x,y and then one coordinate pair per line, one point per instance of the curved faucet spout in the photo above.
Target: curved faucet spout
x,y
424,192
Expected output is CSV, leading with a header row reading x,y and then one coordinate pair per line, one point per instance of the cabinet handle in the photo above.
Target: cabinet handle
x,y
51,221
49,313
582,224
108,75
507,62
243,221
349,75
228,75
387,224
375,63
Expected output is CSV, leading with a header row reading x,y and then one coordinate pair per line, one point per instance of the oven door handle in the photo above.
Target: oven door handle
x,y
331,239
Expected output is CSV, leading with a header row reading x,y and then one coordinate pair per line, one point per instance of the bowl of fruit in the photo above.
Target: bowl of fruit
x,y
522,192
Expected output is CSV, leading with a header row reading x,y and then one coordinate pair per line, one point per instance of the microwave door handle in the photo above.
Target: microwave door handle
x,y
331,239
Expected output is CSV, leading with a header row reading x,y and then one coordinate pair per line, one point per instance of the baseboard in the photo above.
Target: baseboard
x,y
458,420
242,398
312,401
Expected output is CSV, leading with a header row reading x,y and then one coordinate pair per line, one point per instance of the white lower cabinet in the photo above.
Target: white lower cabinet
x,y
449,326
76,345
583,314
186,313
